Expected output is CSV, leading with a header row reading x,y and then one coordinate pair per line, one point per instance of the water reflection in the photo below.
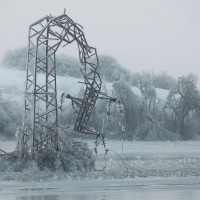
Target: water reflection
x,y
34,197
135,194
64,197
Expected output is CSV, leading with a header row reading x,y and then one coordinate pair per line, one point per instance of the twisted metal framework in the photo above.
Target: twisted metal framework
x,y
45,37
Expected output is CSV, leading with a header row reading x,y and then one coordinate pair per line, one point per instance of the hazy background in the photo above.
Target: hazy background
x,y
141,34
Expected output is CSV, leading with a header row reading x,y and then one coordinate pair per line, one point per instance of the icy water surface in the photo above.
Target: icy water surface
x,y
158,171
137,189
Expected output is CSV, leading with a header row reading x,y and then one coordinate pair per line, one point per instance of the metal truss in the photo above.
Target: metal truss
x,y
45,37
89,105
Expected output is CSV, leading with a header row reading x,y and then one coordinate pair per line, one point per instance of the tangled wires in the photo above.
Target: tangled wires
x,y
101,137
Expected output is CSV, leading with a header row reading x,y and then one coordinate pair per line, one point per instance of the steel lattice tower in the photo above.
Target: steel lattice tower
x,y
41,118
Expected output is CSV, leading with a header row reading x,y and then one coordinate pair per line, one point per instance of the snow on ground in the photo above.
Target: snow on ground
x,y
12,85
134,170
156,171
136,159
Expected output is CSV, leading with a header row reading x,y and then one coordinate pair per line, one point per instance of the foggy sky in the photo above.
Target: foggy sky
x,y
158,35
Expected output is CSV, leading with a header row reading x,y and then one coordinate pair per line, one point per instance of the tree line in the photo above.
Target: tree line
x,y
10,118
149,117
109,68
146,116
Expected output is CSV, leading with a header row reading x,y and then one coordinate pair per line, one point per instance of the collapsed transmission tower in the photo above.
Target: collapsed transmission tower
x,y
41,118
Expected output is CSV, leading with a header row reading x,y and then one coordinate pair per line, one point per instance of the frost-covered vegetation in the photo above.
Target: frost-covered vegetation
x,y
141,159
156,106
73,155
10,117
66,65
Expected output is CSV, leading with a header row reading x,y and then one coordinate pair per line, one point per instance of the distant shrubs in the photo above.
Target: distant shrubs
x,y
160,80
16,58
10,118
109,68
67,65
73,156
164,81
146,115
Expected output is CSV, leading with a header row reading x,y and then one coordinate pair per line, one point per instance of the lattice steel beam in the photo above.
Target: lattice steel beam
x,y
41,119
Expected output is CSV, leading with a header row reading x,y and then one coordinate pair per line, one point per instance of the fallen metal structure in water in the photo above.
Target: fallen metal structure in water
x,y
40,123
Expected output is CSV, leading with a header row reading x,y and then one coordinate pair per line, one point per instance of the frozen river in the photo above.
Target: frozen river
x,y
158,171
137,189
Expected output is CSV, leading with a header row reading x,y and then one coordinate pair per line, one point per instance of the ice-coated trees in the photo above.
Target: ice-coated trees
x,y
183,100
10,118
132,106
144,82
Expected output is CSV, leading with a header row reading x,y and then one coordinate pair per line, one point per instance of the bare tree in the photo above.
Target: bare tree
x,y
144,82
132,106
182,101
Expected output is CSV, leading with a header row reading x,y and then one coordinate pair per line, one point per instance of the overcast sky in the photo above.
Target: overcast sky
x,y
158,35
